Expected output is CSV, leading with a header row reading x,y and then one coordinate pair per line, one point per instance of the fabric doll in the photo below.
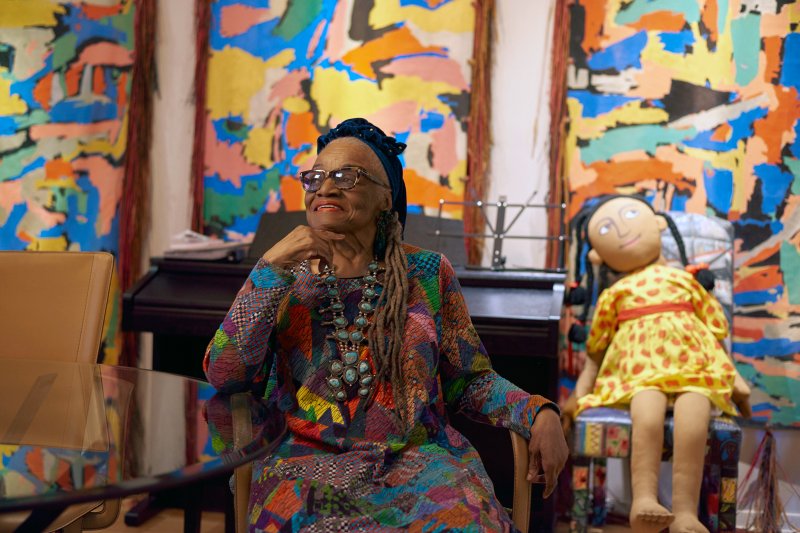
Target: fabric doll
x,y
654,342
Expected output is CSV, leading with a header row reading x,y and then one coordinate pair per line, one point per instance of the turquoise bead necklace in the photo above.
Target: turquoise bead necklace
x,y
347,372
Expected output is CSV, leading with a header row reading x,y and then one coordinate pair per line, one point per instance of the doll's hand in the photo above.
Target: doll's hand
x,y
741,396
548,449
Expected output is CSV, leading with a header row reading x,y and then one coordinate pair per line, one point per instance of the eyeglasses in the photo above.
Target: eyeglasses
x,y
344,178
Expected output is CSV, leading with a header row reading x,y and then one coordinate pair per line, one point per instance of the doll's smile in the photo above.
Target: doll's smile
x,y
631,242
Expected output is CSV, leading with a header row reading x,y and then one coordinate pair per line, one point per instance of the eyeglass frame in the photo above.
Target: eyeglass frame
x,y
327,174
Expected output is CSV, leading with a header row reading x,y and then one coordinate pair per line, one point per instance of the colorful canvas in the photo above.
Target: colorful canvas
x,y
282,72
695,104
65,71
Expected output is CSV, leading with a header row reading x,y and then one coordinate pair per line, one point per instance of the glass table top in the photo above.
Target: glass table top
x,y
72,432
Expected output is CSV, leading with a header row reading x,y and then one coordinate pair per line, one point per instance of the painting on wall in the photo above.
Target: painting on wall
x,y
281,72
65,70
696,106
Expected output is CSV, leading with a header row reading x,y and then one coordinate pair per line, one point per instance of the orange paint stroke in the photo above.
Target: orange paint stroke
x,y
422,191
237,19
390,45
766,253
300,130
770,368
771,58
43,90
292,194
722,133
709,18
122,91
429,68
658,21
97,12
778,123
594,16
57,169
758,279
99,82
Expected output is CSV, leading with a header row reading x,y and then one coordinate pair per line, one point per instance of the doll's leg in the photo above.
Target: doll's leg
x,y
647,442
692,412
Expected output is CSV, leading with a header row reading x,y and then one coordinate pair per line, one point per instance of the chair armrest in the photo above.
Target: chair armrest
x,y
521,506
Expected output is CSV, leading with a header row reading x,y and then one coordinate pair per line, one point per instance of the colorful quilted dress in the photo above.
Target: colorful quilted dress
x,y
352,465
659,330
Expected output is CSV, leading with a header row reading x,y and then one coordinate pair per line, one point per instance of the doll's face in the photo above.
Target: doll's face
x,y
625,234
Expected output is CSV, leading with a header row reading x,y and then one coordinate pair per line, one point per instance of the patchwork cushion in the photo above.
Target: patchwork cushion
x,y
606,432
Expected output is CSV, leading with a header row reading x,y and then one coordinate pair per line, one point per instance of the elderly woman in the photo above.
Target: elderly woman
x,y
358,341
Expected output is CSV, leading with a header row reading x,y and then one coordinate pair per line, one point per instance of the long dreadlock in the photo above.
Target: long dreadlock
x,y
386,335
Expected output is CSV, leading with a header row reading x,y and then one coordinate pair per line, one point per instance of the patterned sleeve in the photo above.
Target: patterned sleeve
x,y
604,325
708,309
470,385
236,356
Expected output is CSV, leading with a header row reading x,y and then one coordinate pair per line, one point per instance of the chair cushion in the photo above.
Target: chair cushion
x,y
606,432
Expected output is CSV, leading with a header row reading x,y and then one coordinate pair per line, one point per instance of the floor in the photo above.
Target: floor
x,y
171,520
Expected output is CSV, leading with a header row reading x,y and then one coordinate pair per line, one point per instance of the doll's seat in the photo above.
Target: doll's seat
x,y
602,432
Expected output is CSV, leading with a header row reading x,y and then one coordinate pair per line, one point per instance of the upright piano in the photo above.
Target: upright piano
x,y
516,314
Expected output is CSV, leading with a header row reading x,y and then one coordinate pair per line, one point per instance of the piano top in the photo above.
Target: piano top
x,y
190,296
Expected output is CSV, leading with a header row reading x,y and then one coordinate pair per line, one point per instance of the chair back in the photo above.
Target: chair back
x,y
53,304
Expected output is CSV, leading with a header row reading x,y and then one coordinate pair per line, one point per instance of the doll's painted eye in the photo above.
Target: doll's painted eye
x,y
631,213
604,229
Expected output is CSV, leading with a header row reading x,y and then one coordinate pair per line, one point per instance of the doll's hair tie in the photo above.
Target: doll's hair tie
x,y
695,268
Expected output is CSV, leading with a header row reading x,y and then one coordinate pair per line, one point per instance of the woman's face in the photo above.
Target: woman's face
x,y
352,210
625,234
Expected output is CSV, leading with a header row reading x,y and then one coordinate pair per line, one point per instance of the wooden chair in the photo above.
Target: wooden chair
x,y
52,309
242,434
603,432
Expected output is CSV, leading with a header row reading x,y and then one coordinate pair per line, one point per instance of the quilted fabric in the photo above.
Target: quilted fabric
x,y
350,466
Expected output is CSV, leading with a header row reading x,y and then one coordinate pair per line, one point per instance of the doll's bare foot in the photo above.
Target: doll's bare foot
x,y
687,523
647,516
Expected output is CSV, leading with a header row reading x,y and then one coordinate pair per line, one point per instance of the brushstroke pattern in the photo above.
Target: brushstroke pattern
x,y
65,72
696,105
282,72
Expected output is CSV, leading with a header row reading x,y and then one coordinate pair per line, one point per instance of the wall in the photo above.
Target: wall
x,y
520,122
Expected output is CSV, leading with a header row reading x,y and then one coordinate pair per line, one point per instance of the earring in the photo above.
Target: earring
x,y
382,226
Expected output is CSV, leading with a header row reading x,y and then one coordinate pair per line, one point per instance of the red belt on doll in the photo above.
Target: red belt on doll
x,y
630,314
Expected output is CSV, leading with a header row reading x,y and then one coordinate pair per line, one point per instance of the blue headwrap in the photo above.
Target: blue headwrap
x,y
386,148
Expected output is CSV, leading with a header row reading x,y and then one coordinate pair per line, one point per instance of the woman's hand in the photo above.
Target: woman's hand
x,y
548,449
301,244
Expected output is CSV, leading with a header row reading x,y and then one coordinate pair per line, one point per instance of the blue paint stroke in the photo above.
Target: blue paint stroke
x,y
8,126
630,138
430,121
231,135
677,42
8,231
767,348
619,56
741,128
77,111
594,104
423,4
719,187
790,71
639,8
774,185
758,297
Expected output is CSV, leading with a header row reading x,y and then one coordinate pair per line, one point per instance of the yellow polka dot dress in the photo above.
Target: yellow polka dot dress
x,y
660,330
